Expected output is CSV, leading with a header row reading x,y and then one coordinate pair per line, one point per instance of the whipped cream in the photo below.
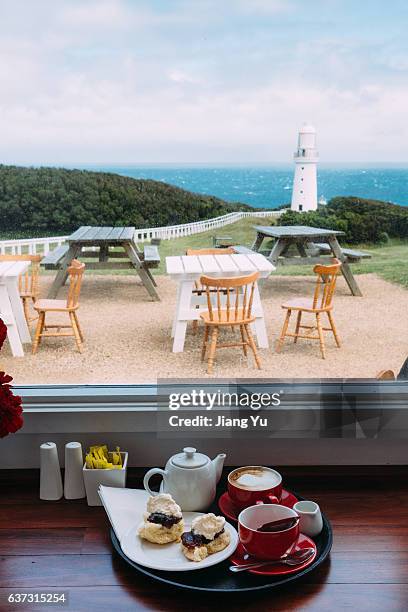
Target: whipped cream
x,y
165,504
208,525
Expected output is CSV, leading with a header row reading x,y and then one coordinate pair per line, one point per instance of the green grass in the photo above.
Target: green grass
x,y
389,261
241,232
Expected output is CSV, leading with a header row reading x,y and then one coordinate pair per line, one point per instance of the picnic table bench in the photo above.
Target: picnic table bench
x,y
108,245
222,241
353,255
52,260
305,241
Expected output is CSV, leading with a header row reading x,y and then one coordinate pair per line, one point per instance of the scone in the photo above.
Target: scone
x,y
163,521
207,536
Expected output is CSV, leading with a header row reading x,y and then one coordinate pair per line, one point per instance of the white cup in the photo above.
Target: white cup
x,y
74,487
50,473
311,522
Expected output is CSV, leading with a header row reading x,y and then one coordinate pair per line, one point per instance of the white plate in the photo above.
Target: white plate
x,y
168,557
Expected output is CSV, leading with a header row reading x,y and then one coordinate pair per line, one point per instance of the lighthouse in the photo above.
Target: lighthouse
x,y
304,194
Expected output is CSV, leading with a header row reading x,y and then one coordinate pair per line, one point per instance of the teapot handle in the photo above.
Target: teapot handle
x,y
147,477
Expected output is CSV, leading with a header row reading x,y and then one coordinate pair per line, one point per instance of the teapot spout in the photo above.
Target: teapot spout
x,y
218,463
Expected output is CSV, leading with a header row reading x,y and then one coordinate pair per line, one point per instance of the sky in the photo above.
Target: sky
x,y
201,81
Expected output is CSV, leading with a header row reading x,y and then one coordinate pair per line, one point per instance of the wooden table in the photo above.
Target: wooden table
x,y
64,545
11,308
303,238
187,269
103,239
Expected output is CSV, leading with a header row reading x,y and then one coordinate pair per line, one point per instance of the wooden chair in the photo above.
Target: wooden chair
x,y
198,289
29,283
319,304
237,294
386,375
70,306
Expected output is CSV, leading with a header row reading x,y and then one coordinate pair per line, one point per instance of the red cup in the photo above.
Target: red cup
x,y
266,545
244,497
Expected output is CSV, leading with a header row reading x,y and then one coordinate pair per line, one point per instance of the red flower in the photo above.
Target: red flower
x,y
11,411
3,333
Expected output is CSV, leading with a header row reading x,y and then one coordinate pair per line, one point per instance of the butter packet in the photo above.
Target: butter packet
x,y
100,458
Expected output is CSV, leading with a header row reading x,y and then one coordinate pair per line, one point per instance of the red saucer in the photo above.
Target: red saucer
x,y
276,570
230,511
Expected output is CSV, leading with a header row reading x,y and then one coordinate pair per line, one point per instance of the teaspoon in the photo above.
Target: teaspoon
x,y
297,558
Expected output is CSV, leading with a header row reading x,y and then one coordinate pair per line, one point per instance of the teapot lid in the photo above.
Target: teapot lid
x,y
189,458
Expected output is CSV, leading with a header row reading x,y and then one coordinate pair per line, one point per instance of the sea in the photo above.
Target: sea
x,y
271,186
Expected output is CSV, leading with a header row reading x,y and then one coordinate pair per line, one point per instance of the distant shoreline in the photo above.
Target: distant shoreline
x,y
268,186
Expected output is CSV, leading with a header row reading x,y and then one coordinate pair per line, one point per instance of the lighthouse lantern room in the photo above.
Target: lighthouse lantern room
x,y
304,194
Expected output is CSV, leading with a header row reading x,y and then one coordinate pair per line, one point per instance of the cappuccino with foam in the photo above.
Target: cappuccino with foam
x,y
255,478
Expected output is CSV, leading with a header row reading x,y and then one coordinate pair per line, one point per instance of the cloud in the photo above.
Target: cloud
x,y
95,14
118,81
264,7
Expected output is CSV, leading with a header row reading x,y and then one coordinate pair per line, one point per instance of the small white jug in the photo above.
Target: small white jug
x,y
311,522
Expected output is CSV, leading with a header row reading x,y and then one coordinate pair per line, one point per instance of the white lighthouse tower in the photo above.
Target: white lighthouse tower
x,y
304,194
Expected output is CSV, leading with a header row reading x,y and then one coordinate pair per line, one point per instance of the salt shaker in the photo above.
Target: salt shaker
x,y
50,473
74,481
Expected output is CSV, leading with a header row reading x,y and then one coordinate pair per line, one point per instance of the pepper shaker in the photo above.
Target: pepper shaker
x,y
50,473
74,487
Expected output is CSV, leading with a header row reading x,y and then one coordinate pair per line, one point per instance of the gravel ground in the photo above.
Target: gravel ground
x,y
128,337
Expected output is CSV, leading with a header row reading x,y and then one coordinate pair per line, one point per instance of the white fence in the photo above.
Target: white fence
x,y
44,245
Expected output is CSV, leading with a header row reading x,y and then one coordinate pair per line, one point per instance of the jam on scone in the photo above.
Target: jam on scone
x,y
207,536
163,521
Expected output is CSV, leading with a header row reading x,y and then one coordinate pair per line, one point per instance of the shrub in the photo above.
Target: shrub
x,y
369,221
57,200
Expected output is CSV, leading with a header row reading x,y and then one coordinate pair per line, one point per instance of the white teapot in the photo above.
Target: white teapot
x,y
190,478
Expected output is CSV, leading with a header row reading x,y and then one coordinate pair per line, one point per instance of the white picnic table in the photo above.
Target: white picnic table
x,y
11,308
186,269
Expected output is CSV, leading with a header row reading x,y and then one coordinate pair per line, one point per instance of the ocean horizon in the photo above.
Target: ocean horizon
x,y
269,186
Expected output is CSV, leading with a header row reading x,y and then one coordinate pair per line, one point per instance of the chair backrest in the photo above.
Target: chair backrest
x,y
234,296
75,273
29,281
385,375
214,251
210,251
325,284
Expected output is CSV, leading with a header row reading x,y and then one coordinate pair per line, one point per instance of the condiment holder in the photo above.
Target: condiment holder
x,y
93,478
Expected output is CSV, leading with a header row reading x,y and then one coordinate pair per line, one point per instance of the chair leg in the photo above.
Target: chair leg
x,y
205,339
76,332
283,332
244,340
26,310
35,317
252,344
321,337
38,332
334,330
213,347
81,335
195,326
298,321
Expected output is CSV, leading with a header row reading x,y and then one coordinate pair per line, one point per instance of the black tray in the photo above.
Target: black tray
x,y
218,578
